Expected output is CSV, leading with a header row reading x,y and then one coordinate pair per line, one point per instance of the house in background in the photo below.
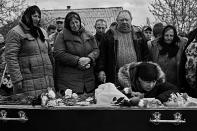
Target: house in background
x,y
88,16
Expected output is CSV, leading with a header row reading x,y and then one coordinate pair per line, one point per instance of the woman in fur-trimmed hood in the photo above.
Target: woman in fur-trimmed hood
x,y
145,79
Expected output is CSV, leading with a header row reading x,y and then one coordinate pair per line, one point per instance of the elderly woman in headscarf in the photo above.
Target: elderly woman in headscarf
x,y
75,52
167,51
27,55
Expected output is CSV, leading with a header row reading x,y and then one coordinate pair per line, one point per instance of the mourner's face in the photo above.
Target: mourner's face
x,y
35,19
124,19
147,85
100,27
169,36
74,24
51,31
147,34
60,25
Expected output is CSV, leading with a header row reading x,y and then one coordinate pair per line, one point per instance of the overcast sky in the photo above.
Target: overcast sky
x,y
138,8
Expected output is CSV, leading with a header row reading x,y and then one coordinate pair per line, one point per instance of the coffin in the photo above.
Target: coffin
x,y
96,118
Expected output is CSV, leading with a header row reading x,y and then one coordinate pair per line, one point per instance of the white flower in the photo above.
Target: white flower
x,y
5,81
51,93
74,95
9,84
141,103
44,99
68,93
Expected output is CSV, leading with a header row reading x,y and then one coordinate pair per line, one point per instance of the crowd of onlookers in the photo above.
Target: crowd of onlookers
x,y
147,62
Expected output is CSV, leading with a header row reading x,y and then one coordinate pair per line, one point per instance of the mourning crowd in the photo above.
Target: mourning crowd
x,y
149,62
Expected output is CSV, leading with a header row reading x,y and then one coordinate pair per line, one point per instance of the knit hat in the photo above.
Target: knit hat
x,y
147,72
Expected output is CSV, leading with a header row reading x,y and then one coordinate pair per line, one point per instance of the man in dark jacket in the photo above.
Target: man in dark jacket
x,y
100,27
121,45
145,79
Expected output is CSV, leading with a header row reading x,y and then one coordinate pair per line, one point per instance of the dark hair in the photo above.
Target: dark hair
x,y
147,72
113,24
27,20
69,17
172,48
157,29
53,27
102,20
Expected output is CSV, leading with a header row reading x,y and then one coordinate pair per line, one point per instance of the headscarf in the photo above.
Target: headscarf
x,y
27,20
67,20
172,48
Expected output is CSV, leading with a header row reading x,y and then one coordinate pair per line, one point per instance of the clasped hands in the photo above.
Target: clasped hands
x,y
84,63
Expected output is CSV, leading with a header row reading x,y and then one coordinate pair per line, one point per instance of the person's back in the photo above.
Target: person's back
x,y
157,30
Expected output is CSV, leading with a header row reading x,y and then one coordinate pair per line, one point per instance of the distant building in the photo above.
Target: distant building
x,y
88,15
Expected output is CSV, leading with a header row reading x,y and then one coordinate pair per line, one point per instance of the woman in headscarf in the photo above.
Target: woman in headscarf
x,y
166,51
27,55
75,52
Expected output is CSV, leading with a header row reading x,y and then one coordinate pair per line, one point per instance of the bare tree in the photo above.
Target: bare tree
x,y
46,19
180,13
10,10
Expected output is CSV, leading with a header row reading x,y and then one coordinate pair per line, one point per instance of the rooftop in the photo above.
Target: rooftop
x,y
88,15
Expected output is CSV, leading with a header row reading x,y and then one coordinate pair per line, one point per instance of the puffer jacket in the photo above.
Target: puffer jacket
x,y
127,77
28,61
68,48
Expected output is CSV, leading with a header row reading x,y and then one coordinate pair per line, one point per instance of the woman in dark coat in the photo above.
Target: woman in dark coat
x,y
75,52
27,55
167,51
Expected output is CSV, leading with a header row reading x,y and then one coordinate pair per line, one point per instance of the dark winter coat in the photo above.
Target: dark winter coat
x,y
108,53
127,77
68,49
28,61
170,66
